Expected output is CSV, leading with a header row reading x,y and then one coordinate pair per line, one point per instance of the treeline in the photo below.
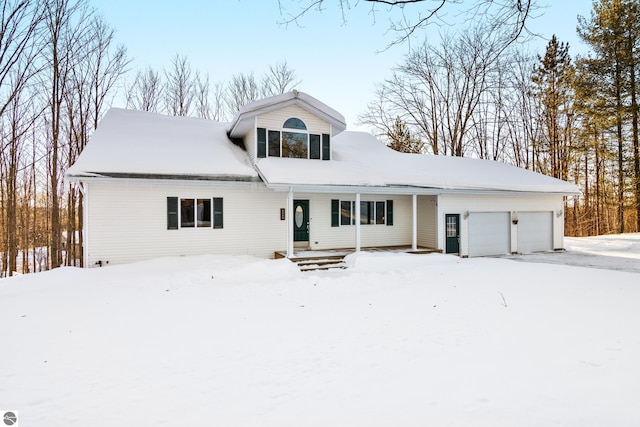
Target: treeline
x,y
58,67
472,94
60,70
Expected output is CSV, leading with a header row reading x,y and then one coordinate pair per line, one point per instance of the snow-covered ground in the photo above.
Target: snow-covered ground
x,y
394,340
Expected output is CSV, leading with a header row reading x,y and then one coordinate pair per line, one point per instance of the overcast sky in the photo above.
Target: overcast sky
x,y
338,63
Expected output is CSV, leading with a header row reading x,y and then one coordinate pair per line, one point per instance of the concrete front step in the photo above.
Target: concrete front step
x,y
323,262
309,260
309,264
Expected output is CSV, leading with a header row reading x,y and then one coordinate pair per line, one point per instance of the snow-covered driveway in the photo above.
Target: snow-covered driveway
x,y
614,252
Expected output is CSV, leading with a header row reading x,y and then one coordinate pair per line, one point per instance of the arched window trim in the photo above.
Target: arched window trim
x,y
305,128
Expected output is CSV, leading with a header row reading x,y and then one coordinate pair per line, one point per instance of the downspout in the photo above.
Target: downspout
x,y
357,222
84,189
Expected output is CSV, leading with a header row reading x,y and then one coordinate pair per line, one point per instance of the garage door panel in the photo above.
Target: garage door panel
x,y
489,233
535,232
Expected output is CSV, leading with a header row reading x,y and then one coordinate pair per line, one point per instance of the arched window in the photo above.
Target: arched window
x,y
295,139
294,123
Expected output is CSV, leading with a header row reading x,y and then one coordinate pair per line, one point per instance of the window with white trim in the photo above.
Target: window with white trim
x,y
293,140
194,213
371,212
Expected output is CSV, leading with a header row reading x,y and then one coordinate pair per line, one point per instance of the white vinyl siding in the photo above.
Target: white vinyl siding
x,y
127,220
535,232
427,223
489,233
275,119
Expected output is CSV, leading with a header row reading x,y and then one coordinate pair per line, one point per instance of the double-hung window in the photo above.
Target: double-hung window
x,y
347,212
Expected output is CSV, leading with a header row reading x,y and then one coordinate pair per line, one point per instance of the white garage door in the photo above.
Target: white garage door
x,y
535,232
489,233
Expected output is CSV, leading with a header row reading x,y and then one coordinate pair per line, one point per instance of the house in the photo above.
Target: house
x,y
285,175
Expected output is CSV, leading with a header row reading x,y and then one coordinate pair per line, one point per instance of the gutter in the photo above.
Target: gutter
x,y
407,190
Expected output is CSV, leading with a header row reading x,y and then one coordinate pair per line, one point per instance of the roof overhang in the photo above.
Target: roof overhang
x,y
406,190
243,122
103,176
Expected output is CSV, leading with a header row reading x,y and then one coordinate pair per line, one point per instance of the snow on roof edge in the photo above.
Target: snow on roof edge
x,y
275,102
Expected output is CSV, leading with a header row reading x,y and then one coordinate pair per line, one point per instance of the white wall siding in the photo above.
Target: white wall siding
x,y
128,221
275,119
323,236
508,203
427,223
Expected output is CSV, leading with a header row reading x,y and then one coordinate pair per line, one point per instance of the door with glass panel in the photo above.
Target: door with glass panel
x,y
300,220
452,230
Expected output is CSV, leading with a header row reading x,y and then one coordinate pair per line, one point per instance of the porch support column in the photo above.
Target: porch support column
x,y
289,214
357,222
414,237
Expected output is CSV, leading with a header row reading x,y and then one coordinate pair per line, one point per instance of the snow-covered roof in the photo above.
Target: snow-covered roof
x,y
360,159
243,121
139,144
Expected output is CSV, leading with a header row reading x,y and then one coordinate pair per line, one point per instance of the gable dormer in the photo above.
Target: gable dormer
x,y
291,125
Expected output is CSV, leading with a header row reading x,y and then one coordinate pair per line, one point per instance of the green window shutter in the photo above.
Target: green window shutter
x,y
172,213
262,143
217,212
335,213
326,147
314,146
389,212
274,143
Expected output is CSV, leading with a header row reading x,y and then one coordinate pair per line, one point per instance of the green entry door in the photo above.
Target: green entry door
x,y
452,230
300,220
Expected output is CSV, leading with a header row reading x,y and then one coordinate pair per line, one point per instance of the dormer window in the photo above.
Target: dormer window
x,y
293,140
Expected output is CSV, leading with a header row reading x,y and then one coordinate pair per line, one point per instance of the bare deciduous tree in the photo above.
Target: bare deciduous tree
x,y
65,22
437,91
507,17
242,89
180,87
145,93
280,78
20,44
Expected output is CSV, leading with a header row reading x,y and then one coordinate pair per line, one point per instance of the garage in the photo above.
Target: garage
x,y
489,233
535,232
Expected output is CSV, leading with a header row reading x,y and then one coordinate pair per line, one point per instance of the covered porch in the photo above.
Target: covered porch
x,y
344,221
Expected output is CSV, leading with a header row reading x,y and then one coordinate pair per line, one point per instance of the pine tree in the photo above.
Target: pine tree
x,y
553,79
400,138
612,32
